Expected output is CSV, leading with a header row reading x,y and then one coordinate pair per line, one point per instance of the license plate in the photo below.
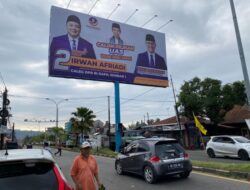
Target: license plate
x,y
175,166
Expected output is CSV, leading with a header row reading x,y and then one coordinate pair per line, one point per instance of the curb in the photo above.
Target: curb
x,y
227,173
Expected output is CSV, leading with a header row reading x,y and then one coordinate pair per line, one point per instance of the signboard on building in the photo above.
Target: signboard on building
x,y
83,46
172,127
3,129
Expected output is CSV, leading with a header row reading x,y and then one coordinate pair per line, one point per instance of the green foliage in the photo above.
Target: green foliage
x,y
233,94
209,98
82,121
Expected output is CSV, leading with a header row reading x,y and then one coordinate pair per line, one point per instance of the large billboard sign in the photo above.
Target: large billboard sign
x,y
88,47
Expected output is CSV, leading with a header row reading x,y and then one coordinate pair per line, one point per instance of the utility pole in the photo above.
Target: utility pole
x,y
109,121
241,52
148,117
13,132
4,114
176,111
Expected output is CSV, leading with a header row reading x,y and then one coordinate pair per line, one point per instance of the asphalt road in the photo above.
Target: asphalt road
x,y
112,181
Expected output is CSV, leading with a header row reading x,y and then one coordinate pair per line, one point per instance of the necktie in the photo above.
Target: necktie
x,y
74,45
152,63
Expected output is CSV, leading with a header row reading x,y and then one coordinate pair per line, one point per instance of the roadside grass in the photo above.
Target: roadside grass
x,y
223,166
104,152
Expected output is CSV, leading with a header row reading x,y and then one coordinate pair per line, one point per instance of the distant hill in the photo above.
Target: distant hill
x,y
22,134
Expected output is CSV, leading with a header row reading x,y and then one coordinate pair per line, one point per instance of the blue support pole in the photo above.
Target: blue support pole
x,y
117,117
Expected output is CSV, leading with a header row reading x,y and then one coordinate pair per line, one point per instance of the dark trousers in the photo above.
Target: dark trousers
x,y
59,150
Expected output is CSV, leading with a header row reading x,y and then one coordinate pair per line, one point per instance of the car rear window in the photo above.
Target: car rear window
x,y
27,175
169,150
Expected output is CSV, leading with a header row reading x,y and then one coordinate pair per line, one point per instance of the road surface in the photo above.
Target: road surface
x,y
112,181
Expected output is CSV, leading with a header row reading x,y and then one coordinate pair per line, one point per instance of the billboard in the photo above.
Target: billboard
x,y
87,47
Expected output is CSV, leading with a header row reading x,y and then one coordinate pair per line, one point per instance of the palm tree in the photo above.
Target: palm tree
x,y
82,120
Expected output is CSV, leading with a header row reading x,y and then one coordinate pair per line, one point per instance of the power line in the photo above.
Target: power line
x,y
36,97
21,96
143,100
129,99
3,80
138,95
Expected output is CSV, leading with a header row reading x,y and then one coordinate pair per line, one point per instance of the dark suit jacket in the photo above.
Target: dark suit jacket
x,y
143,60
62,42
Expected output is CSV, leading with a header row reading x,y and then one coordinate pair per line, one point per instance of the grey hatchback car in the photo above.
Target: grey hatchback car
x,y
154,157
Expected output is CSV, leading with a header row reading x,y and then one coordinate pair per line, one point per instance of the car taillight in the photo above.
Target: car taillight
x,y
154,159
186,156
62,185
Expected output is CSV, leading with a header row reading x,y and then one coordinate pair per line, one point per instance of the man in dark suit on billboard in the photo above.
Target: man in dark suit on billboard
x,y
150,58
116,39
72,41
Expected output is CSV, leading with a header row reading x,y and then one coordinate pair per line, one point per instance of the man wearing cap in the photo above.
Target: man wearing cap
x,y
150,58
84,171
116,39
72,41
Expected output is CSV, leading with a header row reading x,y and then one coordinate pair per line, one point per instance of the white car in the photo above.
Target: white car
x,y
231,146
30,169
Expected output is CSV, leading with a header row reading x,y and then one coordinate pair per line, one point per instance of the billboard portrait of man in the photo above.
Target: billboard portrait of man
x,y
116,38
150,58
72,41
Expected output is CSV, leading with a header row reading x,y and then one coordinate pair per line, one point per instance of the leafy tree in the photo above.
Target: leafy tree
x,y
82,120
190,99
27,140
209,98
157,120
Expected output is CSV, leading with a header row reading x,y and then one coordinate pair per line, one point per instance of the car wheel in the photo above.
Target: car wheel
x,y
210,153
243,155
118,168
149,174
184,174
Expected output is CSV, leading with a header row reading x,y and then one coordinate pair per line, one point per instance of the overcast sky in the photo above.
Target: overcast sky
x,y
200,42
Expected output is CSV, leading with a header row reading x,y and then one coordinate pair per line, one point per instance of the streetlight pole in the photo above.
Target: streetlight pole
x,y
109,121
241,52
56,103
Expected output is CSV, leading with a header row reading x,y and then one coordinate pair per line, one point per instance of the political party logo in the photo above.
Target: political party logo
x,y
93,21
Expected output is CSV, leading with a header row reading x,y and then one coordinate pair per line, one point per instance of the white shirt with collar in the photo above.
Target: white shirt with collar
x,y
71,41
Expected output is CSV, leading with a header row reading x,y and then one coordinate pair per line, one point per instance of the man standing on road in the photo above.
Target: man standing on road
x,y
59,148
84,171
